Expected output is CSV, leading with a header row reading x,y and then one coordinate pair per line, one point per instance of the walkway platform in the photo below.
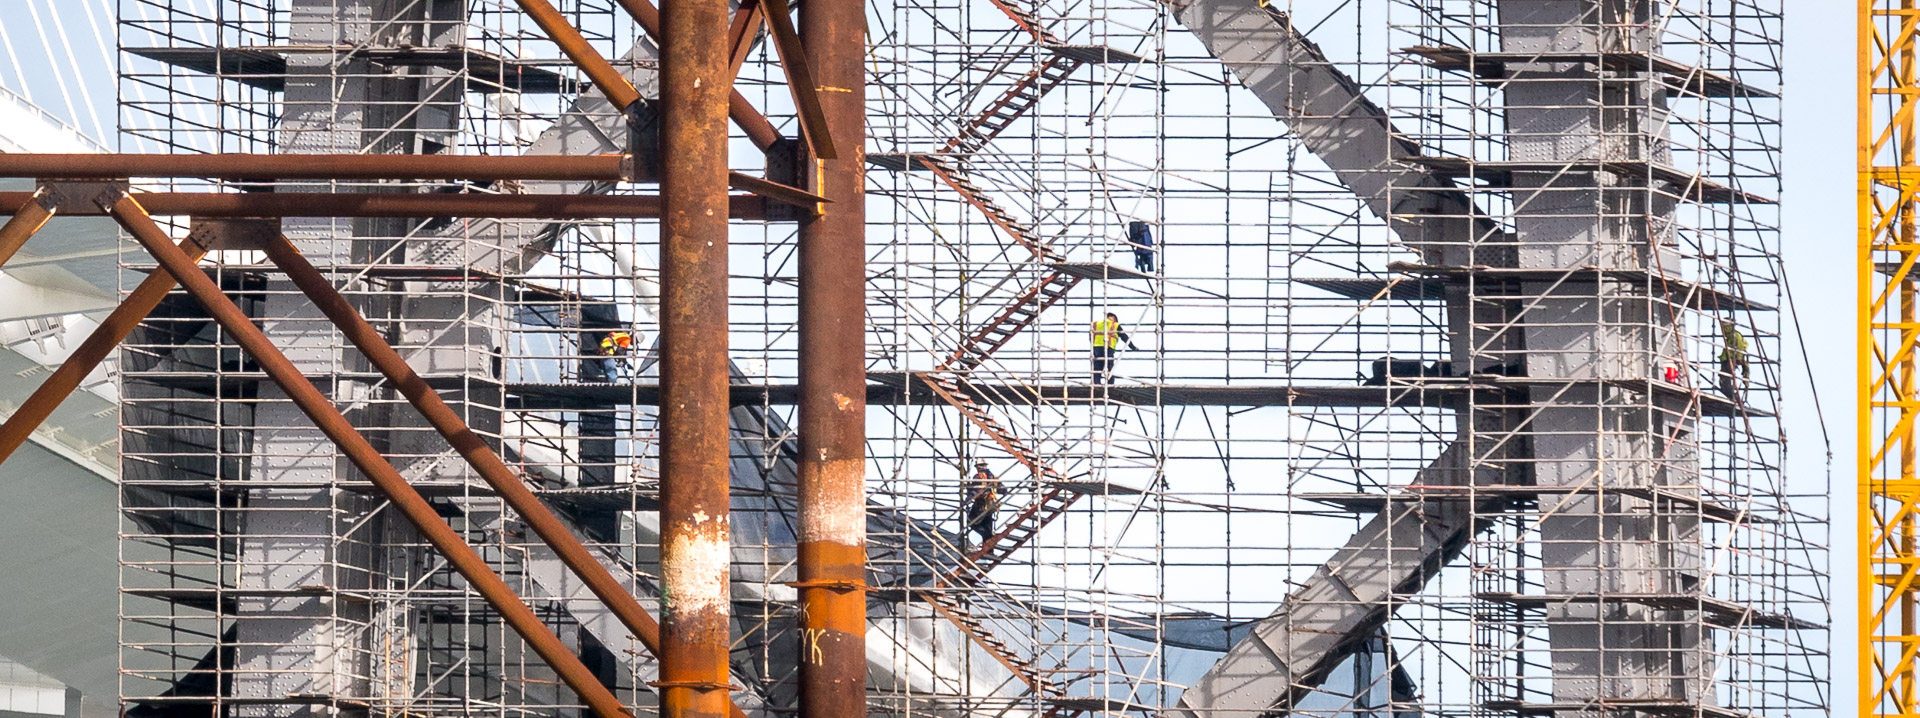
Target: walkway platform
x,y
1722,613
1668,499
1679,77
1426,283
894,389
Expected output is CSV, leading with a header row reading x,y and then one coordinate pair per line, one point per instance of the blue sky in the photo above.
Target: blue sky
x,y
1817,244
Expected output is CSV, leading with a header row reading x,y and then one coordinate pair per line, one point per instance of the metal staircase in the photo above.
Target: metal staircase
x,y
1013,103
1051,503
947,380
998,547
1022,312
1024,526
952,608
949,172
1026,20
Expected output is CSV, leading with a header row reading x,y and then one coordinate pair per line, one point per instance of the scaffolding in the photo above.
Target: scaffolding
x,y
1456,388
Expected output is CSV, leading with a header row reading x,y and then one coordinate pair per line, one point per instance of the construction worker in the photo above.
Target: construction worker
x,y
1733,355
983,501
1107,336
1141,237
613,345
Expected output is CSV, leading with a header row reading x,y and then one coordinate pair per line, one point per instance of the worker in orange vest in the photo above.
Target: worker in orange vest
x,y
1107,336
613,345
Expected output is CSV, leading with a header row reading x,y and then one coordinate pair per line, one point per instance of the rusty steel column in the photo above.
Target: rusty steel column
x,y
328,419
695,537
94,349
833,378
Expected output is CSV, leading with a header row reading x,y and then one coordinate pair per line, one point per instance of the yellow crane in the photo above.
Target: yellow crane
x,y
1889,492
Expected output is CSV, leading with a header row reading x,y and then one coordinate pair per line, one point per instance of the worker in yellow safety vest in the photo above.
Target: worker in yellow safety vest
x,y
1107,336
614,345
1733,356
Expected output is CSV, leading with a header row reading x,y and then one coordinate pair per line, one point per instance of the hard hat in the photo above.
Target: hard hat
x,y
981,463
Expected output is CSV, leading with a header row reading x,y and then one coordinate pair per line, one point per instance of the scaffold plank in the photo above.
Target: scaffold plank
x,y
1680,78
1720,612
886,389
266,67
1568,174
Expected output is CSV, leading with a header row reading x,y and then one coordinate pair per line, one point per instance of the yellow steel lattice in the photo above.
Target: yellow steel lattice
x,y
1889,492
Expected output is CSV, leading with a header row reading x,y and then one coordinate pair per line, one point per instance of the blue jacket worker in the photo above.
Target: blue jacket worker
x,y
1141,237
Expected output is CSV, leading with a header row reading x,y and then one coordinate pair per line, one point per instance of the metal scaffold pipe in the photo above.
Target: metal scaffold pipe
x,y
833,405
328,419
695,534
469,445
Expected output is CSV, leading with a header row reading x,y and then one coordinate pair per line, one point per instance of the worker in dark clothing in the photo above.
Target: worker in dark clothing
x,y
1107,336
1733,356
983,501
1141,237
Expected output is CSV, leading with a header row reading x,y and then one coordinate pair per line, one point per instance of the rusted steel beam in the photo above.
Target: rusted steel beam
x,y
746,21
588,168
754,124
806,94
695,548
592,168
833,397
369,461
85,358
468,444
28,219
647,15
760,131
614,85
775,191
497,206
